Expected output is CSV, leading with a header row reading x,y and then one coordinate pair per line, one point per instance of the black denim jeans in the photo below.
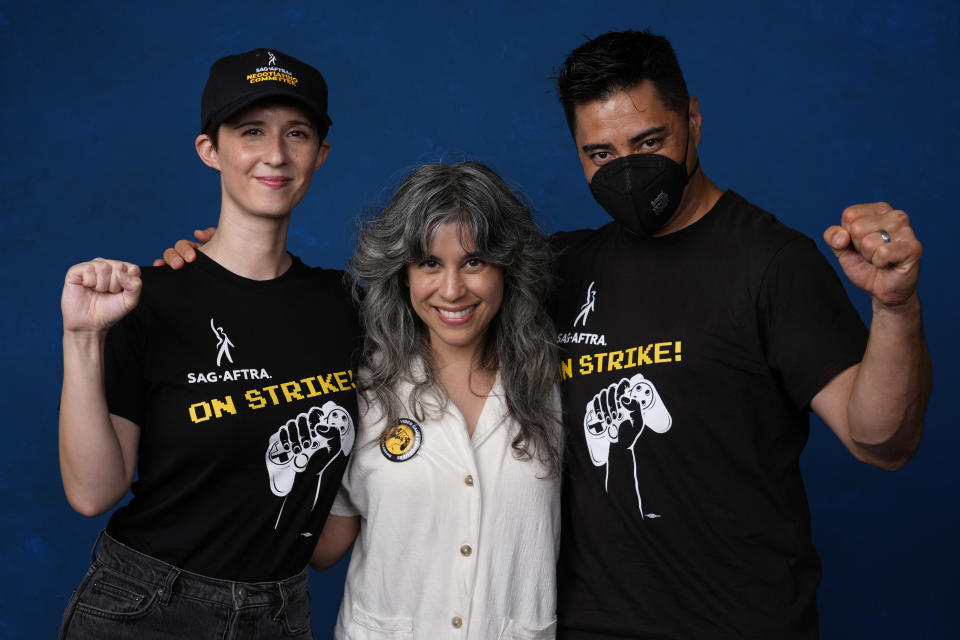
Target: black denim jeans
x,y
129,595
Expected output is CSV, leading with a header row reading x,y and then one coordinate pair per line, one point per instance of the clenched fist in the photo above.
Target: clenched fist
x,y
324,431
98,293
878,251
619,413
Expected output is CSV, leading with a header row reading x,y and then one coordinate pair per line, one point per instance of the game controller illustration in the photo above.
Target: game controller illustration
x,y
326,431
633,401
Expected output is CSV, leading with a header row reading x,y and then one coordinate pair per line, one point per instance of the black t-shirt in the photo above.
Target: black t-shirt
x,y
245,398
688,365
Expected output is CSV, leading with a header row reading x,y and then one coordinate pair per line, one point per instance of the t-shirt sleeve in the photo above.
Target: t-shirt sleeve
x,y
124,369
342,505
811,331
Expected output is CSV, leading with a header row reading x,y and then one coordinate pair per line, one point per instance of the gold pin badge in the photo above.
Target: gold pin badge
x,y
401,442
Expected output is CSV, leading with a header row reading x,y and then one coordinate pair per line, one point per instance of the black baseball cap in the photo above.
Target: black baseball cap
x,y
239,80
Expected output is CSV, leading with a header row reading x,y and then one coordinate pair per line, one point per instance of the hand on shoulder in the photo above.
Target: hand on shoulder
x,y
183,250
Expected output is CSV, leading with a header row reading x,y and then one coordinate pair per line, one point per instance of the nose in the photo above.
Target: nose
x,y
275,153
452,287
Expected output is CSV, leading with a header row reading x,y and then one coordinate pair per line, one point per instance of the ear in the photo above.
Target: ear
x,y
322,154
206,151
696,121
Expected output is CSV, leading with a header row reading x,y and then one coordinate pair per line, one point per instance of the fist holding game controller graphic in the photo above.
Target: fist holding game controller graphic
x,y
323,431
619,413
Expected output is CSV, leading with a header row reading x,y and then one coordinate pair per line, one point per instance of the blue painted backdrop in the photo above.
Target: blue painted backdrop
x,y
807,107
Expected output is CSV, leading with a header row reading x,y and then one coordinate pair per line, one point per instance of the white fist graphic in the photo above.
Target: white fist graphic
x,y
322,431
614,412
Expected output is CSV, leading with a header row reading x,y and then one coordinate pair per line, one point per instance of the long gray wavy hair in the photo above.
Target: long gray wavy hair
x,y
519,340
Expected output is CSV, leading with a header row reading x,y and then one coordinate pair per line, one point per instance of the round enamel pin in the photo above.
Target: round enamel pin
x,y
401,442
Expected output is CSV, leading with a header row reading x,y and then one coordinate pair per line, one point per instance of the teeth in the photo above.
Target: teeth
x,y
456,315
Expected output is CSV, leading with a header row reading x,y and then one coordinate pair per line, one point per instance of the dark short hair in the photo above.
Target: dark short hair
x,y
213,130
618,61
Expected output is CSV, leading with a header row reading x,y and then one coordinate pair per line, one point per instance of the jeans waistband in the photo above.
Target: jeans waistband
x,y
168,578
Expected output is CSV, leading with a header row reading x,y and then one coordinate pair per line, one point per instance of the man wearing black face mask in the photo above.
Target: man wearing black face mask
x,y
698,333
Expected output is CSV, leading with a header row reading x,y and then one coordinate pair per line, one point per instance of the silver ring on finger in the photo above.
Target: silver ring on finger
x,y
884,236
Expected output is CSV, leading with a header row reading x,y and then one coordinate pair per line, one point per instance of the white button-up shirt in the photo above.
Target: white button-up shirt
x,y
458,541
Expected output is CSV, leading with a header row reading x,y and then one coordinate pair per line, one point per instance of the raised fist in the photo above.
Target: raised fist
x,y
878,251
619,412
96,294
323,431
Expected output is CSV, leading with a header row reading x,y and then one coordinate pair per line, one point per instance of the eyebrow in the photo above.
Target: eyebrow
x,y
467,256
300,123
260,123
606,146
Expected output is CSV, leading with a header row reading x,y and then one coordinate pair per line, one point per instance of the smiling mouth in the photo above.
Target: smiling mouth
x,y
277,182
456,317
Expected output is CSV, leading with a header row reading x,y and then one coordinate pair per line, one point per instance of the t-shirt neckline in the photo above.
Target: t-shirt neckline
x,y
723,204
213,268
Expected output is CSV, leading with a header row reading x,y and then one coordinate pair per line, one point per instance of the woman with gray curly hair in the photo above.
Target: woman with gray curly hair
x,y
457,468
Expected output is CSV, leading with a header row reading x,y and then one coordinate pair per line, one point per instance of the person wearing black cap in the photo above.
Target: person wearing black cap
x,y
226,387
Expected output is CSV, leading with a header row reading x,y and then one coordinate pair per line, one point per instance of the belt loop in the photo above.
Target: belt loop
x,y
96,543
166,589
283,601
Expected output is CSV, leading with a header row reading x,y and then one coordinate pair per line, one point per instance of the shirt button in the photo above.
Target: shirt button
x,y
457,622
465,550
468,481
